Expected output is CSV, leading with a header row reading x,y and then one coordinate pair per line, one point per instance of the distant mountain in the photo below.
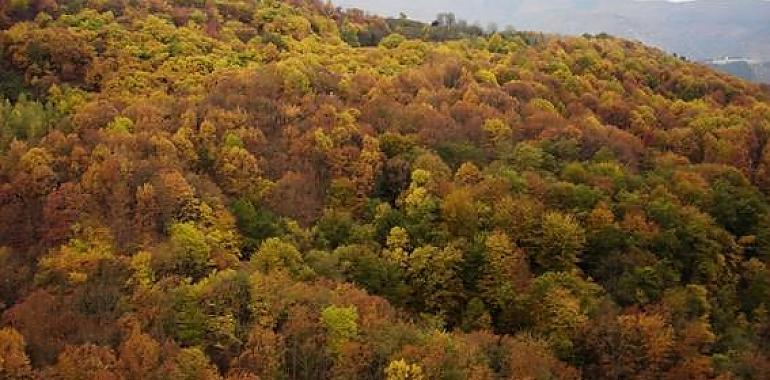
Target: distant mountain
x,y
763,72
749,70
740,67
699,30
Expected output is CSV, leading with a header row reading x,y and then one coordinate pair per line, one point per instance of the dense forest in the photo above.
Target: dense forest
x,y
264,189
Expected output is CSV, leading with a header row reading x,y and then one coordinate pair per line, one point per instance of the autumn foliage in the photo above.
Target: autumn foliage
x,y
286,190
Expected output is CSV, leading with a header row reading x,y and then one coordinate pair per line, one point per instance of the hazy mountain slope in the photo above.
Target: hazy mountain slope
x,y
699,29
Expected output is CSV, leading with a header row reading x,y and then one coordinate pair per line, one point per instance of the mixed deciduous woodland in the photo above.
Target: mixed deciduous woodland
x,y
245,189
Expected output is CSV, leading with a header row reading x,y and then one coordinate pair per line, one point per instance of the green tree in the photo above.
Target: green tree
x,y
561,304
255,223
341,324
392,41
188,252
560,243
277,255
434,278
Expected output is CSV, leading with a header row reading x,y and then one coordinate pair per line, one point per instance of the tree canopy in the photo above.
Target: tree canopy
x,y
287,190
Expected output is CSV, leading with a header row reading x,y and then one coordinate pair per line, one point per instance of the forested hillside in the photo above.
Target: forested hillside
x,y
242,189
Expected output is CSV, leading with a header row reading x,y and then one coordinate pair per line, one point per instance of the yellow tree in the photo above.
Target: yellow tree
x,y
14,363
401,370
